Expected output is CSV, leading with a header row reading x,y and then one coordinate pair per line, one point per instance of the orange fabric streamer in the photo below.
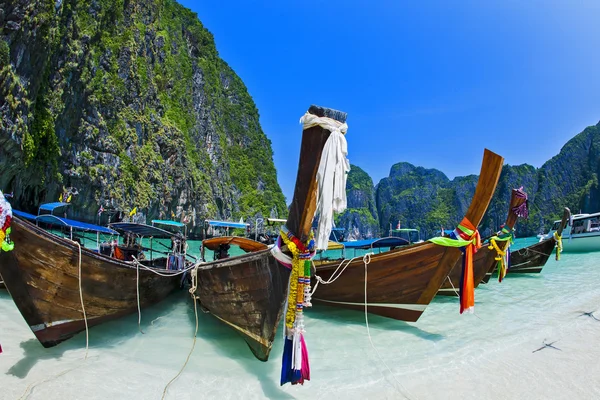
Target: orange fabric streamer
x,y
467,231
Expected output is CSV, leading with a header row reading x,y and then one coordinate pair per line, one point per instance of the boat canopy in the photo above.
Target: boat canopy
x,y
404,230
52,206
226,224
375,243
71,223
331,245
168,222
276,220
248,245
142,230
24,215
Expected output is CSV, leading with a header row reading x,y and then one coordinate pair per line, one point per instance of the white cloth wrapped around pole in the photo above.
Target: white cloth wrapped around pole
x,y
331,175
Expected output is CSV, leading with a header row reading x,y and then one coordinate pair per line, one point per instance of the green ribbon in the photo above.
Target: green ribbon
x,y
447,242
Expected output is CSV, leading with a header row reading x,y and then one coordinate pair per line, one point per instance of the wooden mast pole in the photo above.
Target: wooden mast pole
x,y
304,202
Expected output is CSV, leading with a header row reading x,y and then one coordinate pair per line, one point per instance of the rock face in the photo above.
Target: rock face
x,y
425,199
129,102
360,218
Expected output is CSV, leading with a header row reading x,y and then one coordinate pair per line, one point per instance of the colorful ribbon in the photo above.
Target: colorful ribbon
x,y
467,231
5,220
295,367
521,211
558,239
466,236
502,256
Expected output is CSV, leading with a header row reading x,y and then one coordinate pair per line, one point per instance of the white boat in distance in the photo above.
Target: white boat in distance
x,y
582,234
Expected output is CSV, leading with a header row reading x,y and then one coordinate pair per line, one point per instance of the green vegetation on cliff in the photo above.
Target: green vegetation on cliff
x,y
360,218
130,103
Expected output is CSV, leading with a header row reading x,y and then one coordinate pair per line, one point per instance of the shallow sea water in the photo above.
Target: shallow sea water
x,y
486,355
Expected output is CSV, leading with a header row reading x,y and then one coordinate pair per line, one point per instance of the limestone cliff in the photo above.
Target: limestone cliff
x,y
427,200
360,218
129,102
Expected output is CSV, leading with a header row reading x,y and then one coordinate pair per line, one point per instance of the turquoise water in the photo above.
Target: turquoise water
x,y
486,355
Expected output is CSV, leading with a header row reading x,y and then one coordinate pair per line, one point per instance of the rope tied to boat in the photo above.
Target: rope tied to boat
x,y
87,340
295,367
335,274
502,256
467,238
5,218
559,245
331,174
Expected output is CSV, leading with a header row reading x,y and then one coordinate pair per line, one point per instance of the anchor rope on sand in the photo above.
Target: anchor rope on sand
x,y
137,291
192,291
367,261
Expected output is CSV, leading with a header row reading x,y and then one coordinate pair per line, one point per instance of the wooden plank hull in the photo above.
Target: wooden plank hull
x,y
531,259
481,265
400,283
247,293
42,276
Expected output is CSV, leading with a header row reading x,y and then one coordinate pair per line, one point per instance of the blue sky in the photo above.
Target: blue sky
x,y
432,83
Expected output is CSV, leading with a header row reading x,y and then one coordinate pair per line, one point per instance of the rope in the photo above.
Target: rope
x,y
367,261
345,263
453,288
137,270
26,393
135,261
87,340
192,291
528,250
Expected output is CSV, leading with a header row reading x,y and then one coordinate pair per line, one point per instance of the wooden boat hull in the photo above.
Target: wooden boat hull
x,y
248,294
531,259
400,283
42,276
481,266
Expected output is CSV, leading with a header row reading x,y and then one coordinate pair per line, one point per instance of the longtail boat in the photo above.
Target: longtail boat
x,y
248,291
484,261
517,202
402,282
532,259
49,277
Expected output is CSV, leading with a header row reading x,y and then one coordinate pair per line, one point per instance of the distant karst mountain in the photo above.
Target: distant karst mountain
x,y
427,200
129,103
360,218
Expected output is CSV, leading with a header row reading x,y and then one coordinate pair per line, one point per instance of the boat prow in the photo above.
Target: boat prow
x,y
248,292
402,282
